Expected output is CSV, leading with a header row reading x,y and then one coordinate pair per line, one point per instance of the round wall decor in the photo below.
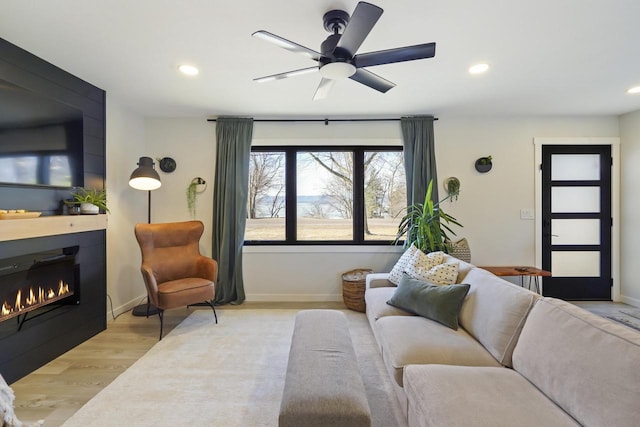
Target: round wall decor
x,y
167,164
484,164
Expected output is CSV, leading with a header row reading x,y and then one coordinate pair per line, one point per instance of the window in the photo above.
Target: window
x,y
325,195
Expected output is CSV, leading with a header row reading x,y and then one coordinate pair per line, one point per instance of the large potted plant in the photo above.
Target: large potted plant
x,y
426,225
90,200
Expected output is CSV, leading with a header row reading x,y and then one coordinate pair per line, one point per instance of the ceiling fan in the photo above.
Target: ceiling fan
x,y
338,59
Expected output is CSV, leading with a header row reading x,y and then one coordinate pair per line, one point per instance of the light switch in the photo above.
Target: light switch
x,y
527,214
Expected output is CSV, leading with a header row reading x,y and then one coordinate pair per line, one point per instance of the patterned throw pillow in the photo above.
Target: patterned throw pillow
x,y
421,263
396,272
441,274
461,250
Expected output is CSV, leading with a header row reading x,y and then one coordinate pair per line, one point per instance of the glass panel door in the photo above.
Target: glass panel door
x,y
576,211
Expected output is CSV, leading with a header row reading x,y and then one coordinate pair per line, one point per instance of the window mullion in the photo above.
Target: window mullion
x,y
358,196
291,196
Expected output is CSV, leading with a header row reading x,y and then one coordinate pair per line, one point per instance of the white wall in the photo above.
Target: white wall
x,y
630,207
489,204
488,207
125,144
191,143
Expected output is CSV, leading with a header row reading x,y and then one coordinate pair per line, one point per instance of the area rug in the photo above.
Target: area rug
x,y
230,374
631,312
626,320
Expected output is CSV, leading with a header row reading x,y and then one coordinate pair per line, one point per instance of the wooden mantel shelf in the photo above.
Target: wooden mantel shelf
x,y
15,229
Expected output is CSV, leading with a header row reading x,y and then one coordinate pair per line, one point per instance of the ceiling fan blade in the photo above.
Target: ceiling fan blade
x,y
323,89
285,75
287,44
400,54
362,20
374,81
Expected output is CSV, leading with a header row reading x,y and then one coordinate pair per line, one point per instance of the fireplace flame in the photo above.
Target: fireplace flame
x,y
32,298
18,305
6,309
63,288
36,297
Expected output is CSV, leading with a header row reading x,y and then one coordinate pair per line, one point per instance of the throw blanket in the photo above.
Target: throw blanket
x,y
7,415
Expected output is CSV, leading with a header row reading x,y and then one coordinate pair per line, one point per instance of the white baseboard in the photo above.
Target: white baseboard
x,y
631,301
294,297
123,308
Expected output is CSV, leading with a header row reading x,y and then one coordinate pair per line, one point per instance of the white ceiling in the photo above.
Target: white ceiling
x,y
548,57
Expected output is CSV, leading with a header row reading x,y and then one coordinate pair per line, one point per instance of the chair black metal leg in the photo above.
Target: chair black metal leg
x,y
161,315
214,311
210,304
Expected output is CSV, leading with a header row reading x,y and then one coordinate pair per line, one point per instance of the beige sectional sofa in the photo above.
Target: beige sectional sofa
x,y
517,359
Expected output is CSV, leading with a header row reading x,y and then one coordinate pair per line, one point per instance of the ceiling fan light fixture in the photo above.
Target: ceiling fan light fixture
x,y
633,90
337,70
479,68
188,70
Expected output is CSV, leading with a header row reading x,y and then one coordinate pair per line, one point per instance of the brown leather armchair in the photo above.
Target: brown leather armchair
x,y
174,271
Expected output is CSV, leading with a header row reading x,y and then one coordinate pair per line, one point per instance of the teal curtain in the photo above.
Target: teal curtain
x,y
233,148
419,157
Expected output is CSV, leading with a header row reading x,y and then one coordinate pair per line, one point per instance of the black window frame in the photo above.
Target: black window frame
x,y
291,152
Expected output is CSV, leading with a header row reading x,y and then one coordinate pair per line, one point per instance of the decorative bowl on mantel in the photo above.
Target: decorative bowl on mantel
x,y
18,214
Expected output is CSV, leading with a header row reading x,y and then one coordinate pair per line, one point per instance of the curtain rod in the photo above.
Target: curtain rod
x,y
325,121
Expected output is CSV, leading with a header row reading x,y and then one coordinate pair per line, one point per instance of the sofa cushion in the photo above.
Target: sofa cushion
x,y
494,312
585,363
411,340
377,280
439,303
377,307
461,396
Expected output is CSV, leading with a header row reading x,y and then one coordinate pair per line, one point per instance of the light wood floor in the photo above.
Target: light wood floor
x,y
57,390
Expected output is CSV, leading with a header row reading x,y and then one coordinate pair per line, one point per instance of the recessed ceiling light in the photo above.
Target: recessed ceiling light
x,y
479,68
634,90
188,70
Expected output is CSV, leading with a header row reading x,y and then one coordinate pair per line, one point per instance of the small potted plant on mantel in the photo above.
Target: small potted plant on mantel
x,y
90,200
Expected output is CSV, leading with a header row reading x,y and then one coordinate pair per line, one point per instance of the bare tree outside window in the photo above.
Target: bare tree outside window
x,y
266,199
325,195
385,193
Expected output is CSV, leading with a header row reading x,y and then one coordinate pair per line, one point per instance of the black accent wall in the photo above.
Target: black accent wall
x,y
55,332
21,68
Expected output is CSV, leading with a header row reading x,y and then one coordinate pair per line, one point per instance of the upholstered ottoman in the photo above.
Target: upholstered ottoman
x,y
323,386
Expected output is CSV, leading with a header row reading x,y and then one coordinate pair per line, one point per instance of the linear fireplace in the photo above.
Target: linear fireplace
x,y
33,284
39,328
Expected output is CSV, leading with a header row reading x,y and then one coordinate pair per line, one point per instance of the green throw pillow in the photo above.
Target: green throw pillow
x,y
439,303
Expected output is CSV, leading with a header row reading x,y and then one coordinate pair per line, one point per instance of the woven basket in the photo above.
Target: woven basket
x,y
353,287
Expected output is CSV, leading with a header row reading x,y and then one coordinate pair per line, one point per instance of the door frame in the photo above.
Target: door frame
x,y
614,142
